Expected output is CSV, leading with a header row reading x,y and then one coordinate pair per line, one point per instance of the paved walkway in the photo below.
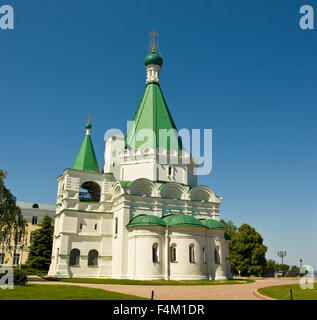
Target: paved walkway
x,y
213,292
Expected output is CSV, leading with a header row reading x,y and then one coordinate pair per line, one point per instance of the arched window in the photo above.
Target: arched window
x,y
173,252
116,225
89,192
35,206
217,256
204,255
170,170
155,258
74,257
93,258
191,254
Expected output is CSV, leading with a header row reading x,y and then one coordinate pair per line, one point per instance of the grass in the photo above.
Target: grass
x,y
152,282
283,292
60,292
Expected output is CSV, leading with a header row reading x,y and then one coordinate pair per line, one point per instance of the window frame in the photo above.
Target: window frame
x,y
93,261
16,259
2,258
191,253
217,255
173,253
75,258
34,220
155,253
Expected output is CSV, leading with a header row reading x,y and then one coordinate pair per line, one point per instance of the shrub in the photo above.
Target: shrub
x,y
40,273
20,277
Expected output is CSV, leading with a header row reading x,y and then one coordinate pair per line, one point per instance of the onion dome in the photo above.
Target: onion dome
x,y
88,125
212,224
146,220
183,220
153,58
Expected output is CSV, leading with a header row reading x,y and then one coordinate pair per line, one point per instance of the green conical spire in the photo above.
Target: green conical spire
x,y
86,157
153,114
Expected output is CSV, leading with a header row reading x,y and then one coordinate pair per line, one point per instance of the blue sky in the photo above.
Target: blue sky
x,y
243,68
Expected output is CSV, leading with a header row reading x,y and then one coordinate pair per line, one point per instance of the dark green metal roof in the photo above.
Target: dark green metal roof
x,y
174,220
153,113
146,220
86,158
212,224
182,220
153,58
125,183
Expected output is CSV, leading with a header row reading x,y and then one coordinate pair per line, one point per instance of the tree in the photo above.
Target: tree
x,y
295,269
271,267
12,223
247,252
230,227
40,253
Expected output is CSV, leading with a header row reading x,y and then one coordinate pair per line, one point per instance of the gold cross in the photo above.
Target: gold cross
x,y
153,45
89,116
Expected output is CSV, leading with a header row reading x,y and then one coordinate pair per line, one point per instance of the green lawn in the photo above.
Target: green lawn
x,y
153,282
60,292
283,292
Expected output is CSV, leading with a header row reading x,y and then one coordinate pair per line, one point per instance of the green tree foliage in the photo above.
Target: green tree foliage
x,y
271,267
39,257
20,277
247,252
294,269
12,223
230,227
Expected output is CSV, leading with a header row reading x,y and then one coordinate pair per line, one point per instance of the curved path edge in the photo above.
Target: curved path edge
x,y
246,291
261,296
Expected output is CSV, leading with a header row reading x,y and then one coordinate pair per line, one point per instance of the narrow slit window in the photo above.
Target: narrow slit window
x,y
191,254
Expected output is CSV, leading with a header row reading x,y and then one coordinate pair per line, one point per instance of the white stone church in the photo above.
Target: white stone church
x,y
144,216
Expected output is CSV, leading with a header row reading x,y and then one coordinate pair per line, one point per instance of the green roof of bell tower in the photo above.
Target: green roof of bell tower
x,y
153,113
86,158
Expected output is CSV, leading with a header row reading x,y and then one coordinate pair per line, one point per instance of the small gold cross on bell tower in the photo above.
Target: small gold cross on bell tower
x,y
153,40
89,116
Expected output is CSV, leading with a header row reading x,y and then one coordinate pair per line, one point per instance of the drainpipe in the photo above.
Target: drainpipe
x,y
167,262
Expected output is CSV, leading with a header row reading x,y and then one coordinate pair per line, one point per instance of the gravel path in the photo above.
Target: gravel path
x,y
213,292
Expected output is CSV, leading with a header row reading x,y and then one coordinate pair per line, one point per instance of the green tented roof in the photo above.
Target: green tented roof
x,y
153,113
212,224
86,157
146,220
227,237
182,220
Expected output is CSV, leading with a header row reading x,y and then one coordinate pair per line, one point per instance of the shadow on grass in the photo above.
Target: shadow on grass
x,y
152,282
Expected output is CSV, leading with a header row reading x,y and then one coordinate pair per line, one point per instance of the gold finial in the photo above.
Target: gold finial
x,y
89,116
153,45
